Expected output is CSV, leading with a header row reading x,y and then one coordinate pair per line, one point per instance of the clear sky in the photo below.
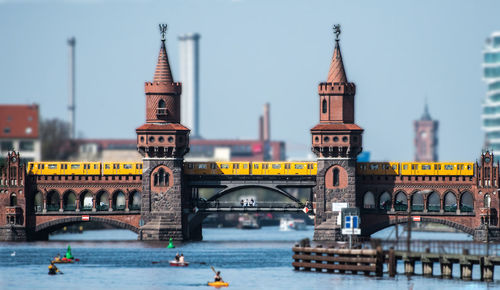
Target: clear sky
x,y
256,51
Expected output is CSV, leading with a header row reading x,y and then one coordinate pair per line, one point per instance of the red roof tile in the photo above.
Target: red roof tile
x,y
19,121
337,127
162,127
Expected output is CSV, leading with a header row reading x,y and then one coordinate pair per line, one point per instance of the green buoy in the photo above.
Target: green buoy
x,y
170,244
68,253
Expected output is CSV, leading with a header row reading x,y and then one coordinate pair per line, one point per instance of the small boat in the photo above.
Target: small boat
x,y
218,284
179,264
288,224
65,261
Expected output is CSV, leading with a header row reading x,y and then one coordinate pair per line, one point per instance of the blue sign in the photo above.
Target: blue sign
x,y
351,222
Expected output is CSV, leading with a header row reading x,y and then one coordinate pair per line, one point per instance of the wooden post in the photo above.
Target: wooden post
x,y
465,266
446,268
409,265
487,269
379,266
296,260
392,263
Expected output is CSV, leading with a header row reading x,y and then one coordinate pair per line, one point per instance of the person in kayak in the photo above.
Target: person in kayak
x,y
53,269
181,258
57,258
177,257
217,277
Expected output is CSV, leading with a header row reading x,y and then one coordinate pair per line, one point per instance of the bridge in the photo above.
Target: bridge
x,y
163,201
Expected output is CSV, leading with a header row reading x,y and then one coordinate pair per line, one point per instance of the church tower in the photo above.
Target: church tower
x,y
426,139
163,142
336,141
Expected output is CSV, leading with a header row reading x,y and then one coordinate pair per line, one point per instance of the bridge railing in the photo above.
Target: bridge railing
x,y
441,246
200,204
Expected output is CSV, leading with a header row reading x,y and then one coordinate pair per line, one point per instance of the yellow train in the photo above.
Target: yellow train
x,y
250,168
416,168
85,168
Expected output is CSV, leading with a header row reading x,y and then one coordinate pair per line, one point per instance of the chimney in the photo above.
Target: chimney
x,y
266,132
261,128
71,106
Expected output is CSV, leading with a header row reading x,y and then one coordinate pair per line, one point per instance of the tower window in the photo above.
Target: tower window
x,y
336,177
323,106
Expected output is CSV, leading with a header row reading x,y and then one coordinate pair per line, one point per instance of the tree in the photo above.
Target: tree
x,y
56,142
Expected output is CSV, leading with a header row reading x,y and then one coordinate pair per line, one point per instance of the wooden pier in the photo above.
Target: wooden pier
x,y
371,262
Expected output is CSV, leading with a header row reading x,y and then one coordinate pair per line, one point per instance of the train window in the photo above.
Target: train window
x,y
95,166
245,166
116,166
137,166
468,167
106,166
236,166
127,166
213,165
448,167
52,166
413,166
224,166
256,166
287,165
405,167
276,166
426,167
386,166
202,166
394,167
265,166
75,166
373,166
190,165
299,166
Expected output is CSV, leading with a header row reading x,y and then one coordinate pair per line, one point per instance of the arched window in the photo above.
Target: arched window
x,y
417,201
155,179
86,201
466,202
369,200
69,201
385,201
102,201
433,202
401,202
335,177
161,104
136,201
13,199
38,202
161,177
450,202
487,200
53,201
324,106
119,201
167,176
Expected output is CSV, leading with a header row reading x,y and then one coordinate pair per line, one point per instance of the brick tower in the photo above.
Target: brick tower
x,y
336,141
163,142
426,139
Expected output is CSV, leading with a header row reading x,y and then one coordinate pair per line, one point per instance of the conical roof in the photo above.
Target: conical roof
x,y
163,72
337,72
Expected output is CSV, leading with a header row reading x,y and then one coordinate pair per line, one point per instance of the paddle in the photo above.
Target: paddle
x,y
212,267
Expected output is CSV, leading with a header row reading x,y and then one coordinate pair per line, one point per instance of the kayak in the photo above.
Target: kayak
x,y
179,264
218,284
65,261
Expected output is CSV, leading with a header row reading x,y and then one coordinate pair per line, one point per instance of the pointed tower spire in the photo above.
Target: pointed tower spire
x,y
163,72
426,116
337,72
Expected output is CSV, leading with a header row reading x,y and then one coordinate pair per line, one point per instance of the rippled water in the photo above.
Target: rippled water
x,y
248,259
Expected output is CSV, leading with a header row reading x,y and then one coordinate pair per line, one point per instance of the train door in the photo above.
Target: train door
x,y
265,168
116,168
236,167
64,168
86,168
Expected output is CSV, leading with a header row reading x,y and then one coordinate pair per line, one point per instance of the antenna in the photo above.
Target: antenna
x,y
71,106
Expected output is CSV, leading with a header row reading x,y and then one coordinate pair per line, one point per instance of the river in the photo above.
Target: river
x,y
247,259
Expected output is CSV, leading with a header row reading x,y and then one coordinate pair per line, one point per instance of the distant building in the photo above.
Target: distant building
x,y
107,150
19,131
491,104
426,139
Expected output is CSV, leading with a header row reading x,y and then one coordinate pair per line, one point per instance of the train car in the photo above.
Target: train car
x,y
437,168
233,168
268,168
201,168
378,168
300,168
64,168
121,168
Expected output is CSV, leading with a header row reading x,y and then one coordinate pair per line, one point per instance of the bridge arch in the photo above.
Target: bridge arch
x,y
102,200
450,201
86,198
54,225
417,201
134,200
119,200
69,200
53,200
231,189
403,220
466,201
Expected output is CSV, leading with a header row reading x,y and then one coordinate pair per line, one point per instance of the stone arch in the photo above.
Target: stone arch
x,y
417,201
69,200
391,222
86,200
466,202
400,201
369,200
450,201
54,225
336,177
134,200
53,200
119,200
231,189
385,201
102,200
38,202
433,202
487,200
